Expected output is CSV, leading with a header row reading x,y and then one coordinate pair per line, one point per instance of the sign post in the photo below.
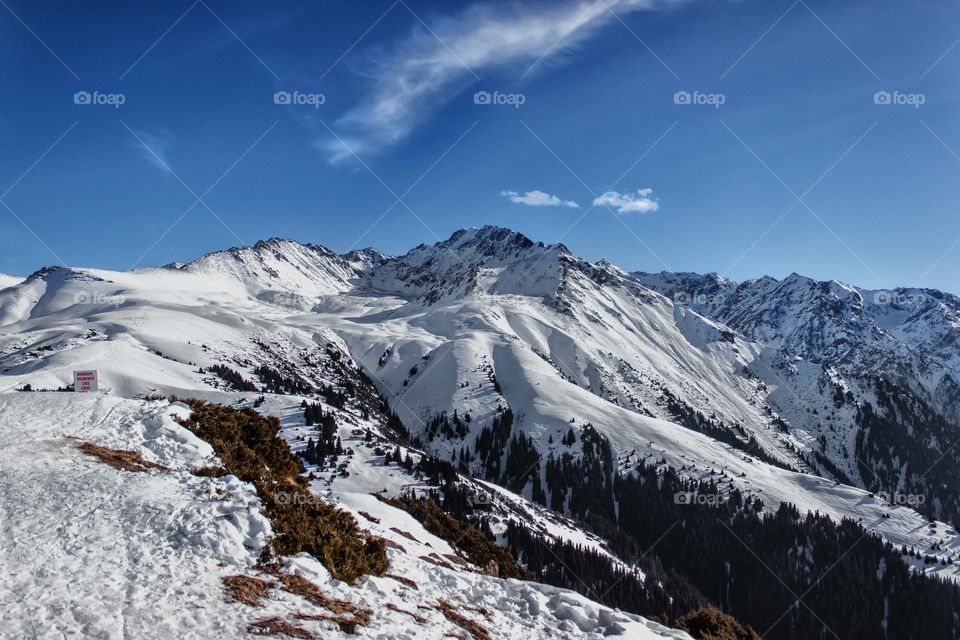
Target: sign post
x,y
85,381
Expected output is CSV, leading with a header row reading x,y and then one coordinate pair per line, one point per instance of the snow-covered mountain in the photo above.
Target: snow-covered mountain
x,y
827,347
274,270
791,391
567,341
906,333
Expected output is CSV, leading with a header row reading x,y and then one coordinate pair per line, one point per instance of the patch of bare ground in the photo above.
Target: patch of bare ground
x,y
347,624
481,610
120,459
278,627
402,580
456,559
247,589
415,616
212,471
269,566
405,534
370,518
434,559
474,628
348,616
390,544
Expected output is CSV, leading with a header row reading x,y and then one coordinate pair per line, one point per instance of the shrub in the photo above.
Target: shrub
x,y
250,448
120,459
247,589
709,623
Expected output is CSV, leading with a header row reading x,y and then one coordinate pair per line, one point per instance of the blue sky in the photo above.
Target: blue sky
x,y
776,159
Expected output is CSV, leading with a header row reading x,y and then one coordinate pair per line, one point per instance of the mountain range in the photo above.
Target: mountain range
x,y
490,349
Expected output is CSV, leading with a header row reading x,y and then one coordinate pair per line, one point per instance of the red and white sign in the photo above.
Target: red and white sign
x,y
85,381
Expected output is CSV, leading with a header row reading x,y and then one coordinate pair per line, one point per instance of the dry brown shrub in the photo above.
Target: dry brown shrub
x,y
371,518
402,580
416,616
434,559
461,535
481,610
405,534
211,471
247,589
278,627
390,544
347,624
349,616
475,629
120,459
709,623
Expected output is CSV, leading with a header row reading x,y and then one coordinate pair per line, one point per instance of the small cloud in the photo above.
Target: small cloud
x,y
639,202
154,147
538,198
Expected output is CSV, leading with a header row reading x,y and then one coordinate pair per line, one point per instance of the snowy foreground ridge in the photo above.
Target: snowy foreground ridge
x,y
92,551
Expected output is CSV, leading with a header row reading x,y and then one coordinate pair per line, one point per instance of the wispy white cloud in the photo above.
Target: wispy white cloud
x,y
154,148
435,63
630,202
537,198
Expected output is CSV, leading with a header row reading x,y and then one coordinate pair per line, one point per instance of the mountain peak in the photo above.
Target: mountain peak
x,y
279,264
488,234
492,239
363,259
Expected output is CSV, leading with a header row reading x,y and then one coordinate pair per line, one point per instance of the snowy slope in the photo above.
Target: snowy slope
x,y
299,274
819,335
910,333
545,404
594,324
92,551
95,552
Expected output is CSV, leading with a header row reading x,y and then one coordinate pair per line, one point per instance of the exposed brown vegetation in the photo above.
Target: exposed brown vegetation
x,y
250,447
405,534
120,459
481,610
461,535
278,627
347,624
349,615
212,471
416,616
434,559
390,544
269,567
709,623
455,559
371,518
298,585
402,580
475,629
247,589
